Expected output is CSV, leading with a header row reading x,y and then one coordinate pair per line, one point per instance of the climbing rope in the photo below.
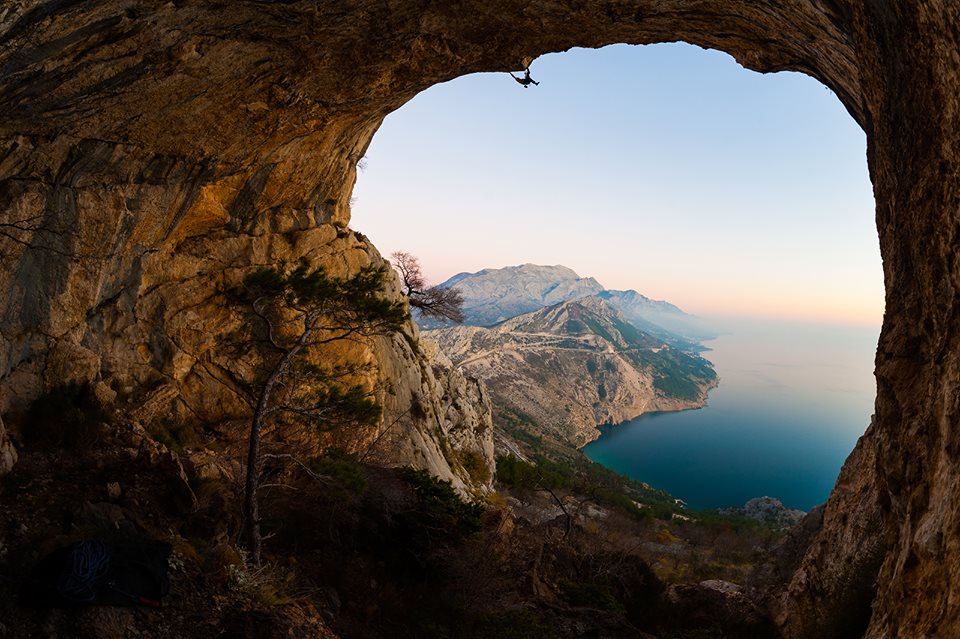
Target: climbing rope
x,y
87,564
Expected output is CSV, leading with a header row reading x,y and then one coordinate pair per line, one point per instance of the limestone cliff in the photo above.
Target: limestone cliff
x,y
563,370
158,344
130,130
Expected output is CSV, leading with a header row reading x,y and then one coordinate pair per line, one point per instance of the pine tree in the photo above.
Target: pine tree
x,y
293,312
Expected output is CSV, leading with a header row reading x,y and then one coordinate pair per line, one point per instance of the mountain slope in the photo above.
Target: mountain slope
x,y
562,370
495,295
658,317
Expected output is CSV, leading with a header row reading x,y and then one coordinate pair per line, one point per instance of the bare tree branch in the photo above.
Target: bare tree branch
x,y
431,301
323,479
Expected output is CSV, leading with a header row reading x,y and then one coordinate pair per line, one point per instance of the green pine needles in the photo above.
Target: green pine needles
x,y
294,312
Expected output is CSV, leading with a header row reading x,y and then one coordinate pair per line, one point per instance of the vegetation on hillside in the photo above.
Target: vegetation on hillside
x,y
375,552
591,480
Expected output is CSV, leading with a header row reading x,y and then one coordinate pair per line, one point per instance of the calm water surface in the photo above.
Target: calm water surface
x,y
792,401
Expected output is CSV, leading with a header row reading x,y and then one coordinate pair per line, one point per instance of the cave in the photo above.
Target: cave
x,y
152,144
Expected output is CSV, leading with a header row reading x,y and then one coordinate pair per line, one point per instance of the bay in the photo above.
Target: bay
x,y
793,398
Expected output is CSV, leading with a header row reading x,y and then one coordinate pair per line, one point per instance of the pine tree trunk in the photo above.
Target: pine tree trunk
x,y
251,503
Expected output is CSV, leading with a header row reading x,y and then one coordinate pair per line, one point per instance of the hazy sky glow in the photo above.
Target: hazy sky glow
x,y
668,169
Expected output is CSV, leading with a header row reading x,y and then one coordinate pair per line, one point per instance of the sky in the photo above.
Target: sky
x,y
668,169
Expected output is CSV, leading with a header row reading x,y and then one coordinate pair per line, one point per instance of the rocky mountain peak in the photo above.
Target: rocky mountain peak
x,y
495,295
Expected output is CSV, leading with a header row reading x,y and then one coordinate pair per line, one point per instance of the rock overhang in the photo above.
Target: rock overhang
x,y
134,128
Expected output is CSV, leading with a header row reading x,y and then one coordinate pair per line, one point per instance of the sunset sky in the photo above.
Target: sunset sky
x,y
667,169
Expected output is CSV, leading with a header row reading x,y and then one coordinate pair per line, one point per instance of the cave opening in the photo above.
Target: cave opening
x,y
740,197
268,107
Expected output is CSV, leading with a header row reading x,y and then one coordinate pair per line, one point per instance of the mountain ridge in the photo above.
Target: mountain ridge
x,y
494,295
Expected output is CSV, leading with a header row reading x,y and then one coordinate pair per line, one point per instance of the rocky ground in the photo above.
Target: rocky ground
x,y
768,510
367,552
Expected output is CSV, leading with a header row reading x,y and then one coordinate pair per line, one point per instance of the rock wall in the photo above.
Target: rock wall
x,y
131,129
8,454
822,579
154,333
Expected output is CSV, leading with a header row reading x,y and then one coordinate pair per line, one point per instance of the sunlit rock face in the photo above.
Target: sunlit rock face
x,y
149,148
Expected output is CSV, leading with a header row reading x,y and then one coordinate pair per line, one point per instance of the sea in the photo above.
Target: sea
x,y
792,401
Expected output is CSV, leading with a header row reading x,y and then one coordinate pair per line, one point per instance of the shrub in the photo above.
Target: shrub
x,y
66,416
475,465
344,470
665,537
176,437
591,479
514,624
591,594
713,632
497,500
520,474
441,504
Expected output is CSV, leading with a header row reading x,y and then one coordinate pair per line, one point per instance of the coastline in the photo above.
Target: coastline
x,y
608,427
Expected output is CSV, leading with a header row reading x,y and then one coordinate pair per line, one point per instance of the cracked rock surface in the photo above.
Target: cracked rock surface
x,y
148,148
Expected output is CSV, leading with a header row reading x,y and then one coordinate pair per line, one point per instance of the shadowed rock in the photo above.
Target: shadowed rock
x,y
150,152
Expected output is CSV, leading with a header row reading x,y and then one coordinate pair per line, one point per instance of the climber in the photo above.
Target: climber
x,y
526,80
